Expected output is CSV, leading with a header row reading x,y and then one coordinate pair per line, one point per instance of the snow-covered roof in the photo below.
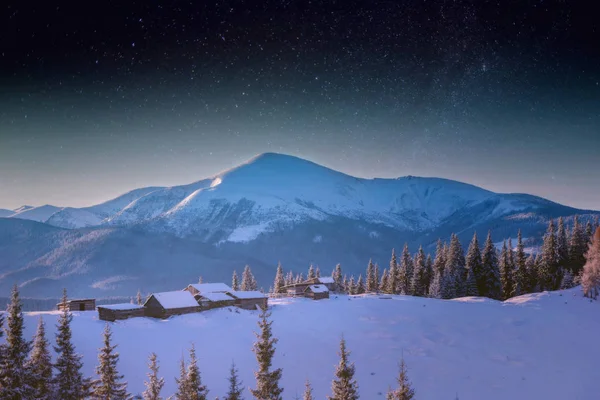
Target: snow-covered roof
x,y
326,279
178,299
122,306
318,288
240,294
211,287
216,296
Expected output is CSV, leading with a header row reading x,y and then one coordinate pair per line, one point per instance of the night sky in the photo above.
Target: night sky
x,y
98,98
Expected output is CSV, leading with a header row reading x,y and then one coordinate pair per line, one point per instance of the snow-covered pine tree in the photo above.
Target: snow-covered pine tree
x,y
248,281
344,387
435,287
418,286
448,284
490,277
473,262
138,298
278,285
345,285
405,271
588,231
562,244
511,255
567,280
392,281
289,278
506,277
338,276
235,282
299,278
371,279
376,279
404,391
14,382
440,258
267,380
311,272
590,279
520,271
360,285
154,384
308,395
196,390
351,288
235,385
39,365
577,247
531,280
182,383
455,264
109,384
200,280
69,382
428,272
471,284
318,272
550,273
383,285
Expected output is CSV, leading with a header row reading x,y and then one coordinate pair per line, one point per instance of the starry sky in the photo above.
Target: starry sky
x,y
98,98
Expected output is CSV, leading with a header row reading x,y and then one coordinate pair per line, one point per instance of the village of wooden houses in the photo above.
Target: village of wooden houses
x,y
200,297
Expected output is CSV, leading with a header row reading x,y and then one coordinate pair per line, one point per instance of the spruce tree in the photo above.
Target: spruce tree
x,y
405,272
371,279
311,272
195,389
562,244
550,273
139,299
360,285
440,258
338,276
506,273
590,279
392,281
109,384
490,277
428,272
278,285
308,395
235,385
383,285
520,272
404,390
435,288
531,280
344,387
289,278
471,284
473,263
248,281
154,384
588,231
577,247
235,282
419,277
183,391
455,266
448,285
39,365
567,280
69,382
346,285
200,280
318,272
14,376
267,380
351,288
376,279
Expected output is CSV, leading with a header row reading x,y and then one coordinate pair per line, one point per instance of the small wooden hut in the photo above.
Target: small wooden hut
x,y
249,300
113,312
209,300
317,292
166,304
79,305
201,288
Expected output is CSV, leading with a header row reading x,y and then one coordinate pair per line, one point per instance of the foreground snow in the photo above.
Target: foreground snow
x,y
540,346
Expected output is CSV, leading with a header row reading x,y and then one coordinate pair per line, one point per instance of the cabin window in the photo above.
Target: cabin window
x,y
81,306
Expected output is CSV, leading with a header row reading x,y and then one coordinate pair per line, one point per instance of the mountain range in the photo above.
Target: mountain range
x,y
273,208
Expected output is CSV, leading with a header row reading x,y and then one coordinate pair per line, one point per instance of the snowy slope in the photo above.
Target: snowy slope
x,y
73,218
38,214
478,348
5,213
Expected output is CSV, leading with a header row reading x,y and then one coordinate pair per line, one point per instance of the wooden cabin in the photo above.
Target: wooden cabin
x,y
79,305
166,304
299,289
323,280
317,292
113,312
209,300
249,300
201,288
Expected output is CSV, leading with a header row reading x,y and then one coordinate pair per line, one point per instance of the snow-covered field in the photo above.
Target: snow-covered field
x,y
541,346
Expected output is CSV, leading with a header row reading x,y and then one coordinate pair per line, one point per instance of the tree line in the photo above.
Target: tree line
x,y
27,371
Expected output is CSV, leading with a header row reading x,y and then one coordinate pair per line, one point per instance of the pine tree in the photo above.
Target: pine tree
x,y
473,263
318,272
235,283
351,288
577,247
520,272
448,285
590,279
506,273
490,277
139,299
344,387
567,280
39,365
550,273
346,285
383,285
289,278
376,279
440,257
200,280
278,286
69,381
14,382
371,278
183,391
267,380
562,244
435,288
418,285
248,281
511,255
392,281
109,384
360,285
588,231
154,384
308,395
235,385
404,390
428,272
531,280
338,277
471,284
405,272
195,389
311,272
455,266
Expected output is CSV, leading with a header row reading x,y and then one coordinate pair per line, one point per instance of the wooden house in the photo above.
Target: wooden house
x,y
317,292
212,300
166,304
113,312
201,288
249,300
299,289
79,305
